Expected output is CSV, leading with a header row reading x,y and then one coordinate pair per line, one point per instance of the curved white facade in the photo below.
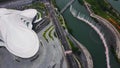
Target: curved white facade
x,y
17,34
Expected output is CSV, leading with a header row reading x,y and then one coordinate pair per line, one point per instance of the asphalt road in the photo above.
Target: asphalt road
x,y
61,35
57,25
15,4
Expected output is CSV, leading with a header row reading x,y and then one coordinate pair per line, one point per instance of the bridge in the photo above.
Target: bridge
x,y
67,5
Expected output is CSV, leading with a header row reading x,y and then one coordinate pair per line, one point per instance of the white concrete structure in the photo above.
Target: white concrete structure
x,y
16,32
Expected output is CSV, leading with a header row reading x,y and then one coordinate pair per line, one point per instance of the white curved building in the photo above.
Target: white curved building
x,y
16,32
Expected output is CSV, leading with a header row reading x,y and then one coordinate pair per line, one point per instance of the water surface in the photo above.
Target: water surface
x,y
86,35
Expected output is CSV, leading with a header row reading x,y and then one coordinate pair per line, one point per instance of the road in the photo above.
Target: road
x,y
57,25
15,4
61,35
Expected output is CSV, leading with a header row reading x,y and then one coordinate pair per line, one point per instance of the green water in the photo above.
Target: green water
x,y
115,4
86,35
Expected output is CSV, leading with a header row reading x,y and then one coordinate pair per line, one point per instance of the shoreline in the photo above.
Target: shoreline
x,y
109,26
101,35
86,58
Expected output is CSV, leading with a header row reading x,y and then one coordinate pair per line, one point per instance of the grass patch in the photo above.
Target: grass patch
x,y
62,22
105,10
50,33
55,5
39,6
39,15
44,34
74,48
55,34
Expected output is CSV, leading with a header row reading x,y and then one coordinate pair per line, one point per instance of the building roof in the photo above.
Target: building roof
x,y
19,39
